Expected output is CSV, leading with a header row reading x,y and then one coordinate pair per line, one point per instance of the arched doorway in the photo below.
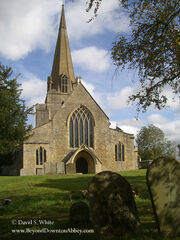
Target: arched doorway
x,y
81,165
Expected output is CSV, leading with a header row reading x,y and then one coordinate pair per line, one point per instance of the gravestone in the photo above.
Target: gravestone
x,y
112,206
163,179
79,213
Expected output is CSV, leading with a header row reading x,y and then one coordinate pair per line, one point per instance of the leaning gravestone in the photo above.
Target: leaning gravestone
x,y
112,206
79,213
163,179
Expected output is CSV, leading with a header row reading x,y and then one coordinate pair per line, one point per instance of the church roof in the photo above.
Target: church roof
x,y
62,63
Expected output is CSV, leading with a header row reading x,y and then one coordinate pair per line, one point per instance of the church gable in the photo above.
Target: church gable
x,y
80,96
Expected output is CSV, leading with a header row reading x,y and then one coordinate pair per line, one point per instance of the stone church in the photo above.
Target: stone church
x,y
72,132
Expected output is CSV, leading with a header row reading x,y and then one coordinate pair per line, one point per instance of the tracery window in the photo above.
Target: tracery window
x,y
64,83
81,128
40,156
119,152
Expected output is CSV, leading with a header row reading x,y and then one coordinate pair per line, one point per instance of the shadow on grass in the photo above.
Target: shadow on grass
x,y
67,184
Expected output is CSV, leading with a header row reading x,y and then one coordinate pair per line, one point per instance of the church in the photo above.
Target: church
x,y
72,133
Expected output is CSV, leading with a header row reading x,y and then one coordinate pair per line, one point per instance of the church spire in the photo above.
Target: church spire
x,y
62,64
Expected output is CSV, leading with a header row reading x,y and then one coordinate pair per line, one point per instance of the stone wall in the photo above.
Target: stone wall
x,y
54,137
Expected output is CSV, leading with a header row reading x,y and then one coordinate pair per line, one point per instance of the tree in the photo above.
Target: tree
x,y
13,115
152,144
152,47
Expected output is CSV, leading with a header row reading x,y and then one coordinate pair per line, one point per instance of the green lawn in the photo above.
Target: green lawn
x,y
47,197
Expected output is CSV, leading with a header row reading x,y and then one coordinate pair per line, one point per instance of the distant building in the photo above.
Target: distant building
x,y
72,133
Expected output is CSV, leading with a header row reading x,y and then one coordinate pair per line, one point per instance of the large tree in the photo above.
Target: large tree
x,y
152,47
13,115
151,143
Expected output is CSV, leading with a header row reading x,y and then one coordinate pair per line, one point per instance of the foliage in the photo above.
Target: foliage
x,y
152,47
152,143
13,115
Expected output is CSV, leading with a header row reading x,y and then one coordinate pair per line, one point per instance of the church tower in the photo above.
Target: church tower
x,y
61,82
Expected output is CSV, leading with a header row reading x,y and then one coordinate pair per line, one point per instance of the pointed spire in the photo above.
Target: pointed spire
x,y
63,20
62,63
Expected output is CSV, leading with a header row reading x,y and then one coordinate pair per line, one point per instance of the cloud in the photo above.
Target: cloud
x,y
91,58
26,26
131,126
157,118
170,128
113,124
125,127
109,18
173,100
34,89
30,25
119,100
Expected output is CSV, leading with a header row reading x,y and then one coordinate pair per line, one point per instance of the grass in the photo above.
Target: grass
x,y
48,197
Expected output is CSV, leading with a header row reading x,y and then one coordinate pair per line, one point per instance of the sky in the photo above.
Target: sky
x,y
27,44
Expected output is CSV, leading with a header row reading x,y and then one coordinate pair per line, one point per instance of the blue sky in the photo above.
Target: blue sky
x,y
27,43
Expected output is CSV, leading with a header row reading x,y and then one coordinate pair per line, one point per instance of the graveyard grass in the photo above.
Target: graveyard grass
x,y
48,197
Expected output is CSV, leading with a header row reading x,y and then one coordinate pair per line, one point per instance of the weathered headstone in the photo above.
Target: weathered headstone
x,y
79,213
163,179
112,206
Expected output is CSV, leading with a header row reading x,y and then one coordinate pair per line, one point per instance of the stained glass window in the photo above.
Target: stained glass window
x,y
81,128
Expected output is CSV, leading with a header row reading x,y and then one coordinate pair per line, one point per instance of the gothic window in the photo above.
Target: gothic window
x,y
119,152
40,156
81,128
71,130
37,157
116,152
64,83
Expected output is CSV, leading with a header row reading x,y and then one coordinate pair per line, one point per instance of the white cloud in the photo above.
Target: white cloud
x,y
108,19
91,58
113,124
173,100
170,128
119,100
131,126
29,25
157,118
34,89
26,26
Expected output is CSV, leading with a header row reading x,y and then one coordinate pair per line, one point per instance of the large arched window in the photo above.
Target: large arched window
x,y
81,128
